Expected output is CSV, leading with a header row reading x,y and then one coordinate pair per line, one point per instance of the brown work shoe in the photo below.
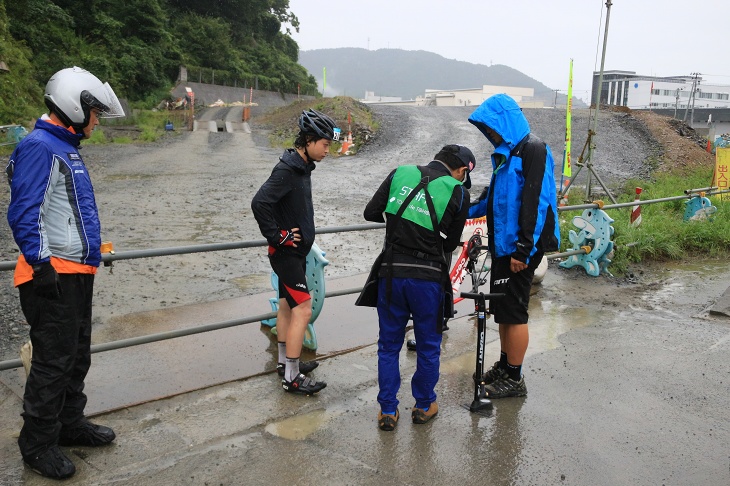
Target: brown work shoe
x,y
421,416
386,421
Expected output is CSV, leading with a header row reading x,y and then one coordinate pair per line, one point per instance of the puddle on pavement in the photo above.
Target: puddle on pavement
x,y
300,427
250,282
461,364
665,293
685,280
547,322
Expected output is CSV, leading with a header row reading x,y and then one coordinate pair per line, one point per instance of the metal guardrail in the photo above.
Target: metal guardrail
x,y
150,338
161,336
688,194
181,250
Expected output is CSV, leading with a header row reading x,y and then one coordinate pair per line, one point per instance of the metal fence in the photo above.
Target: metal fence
x,y
158,252
181,250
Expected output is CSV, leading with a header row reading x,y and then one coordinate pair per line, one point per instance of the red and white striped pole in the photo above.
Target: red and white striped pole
x,y
636,210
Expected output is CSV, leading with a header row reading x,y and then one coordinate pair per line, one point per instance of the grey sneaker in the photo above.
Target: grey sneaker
x,y
505,387
491,375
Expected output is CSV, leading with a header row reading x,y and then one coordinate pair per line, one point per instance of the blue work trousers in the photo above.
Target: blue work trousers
x,y
423,300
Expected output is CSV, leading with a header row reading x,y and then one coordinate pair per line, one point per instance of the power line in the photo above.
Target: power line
x,y
718,75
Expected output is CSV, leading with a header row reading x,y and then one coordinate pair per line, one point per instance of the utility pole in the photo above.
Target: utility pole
x,y
694,97
591,132
591,145
676,103
555,102
691,95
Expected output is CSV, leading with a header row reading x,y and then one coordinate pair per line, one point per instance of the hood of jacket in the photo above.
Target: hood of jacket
x,y
291,158
503,115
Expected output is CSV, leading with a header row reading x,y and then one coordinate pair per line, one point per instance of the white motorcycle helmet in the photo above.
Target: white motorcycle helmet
x,y
71,93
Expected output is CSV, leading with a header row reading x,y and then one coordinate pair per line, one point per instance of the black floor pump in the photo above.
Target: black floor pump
x,y
481,404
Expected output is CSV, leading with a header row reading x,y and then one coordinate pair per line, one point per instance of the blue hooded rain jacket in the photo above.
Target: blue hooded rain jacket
x,y
521,207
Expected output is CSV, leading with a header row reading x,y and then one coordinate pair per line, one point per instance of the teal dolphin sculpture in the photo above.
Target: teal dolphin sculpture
x,y
595,233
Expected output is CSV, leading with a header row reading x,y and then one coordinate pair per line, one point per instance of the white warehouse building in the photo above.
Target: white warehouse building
x,y
626,88
461,97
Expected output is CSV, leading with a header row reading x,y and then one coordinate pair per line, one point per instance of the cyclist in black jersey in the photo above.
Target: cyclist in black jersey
x,y
283,209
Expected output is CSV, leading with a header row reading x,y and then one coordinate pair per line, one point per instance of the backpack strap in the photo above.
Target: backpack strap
x,y
389,247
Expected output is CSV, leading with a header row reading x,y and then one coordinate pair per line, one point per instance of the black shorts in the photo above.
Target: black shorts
x,y
512,308
291,271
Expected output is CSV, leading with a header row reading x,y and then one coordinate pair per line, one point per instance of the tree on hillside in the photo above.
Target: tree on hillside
x,y
141,50
244,38
54,43
138,45
20,100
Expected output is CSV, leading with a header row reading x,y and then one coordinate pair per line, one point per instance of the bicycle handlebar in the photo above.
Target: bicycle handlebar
x,y
470,295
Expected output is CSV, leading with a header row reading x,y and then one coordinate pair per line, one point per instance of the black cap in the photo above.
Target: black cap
x,y
465,157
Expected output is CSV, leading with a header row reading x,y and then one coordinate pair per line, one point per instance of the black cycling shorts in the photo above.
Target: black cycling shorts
x,y
292,273
512,308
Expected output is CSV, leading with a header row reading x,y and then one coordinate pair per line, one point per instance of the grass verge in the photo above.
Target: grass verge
x,y
663,234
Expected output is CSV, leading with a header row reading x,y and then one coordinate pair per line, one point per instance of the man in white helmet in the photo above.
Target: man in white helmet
x,y
55,223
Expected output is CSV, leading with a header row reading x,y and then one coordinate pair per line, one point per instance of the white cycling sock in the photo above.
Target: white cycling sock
x,y
292,368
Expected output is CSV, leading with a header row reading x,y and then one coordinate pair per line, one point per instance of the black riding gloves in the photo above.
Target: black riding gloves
x,y
286,238
45,281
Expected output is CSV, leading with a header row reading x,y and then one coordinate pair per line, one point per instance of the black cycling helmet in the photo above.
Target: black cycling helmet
x,y
313,122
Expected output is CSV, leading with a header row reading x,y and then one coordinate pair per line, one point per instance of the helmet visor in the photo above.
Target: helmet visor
x,y
103,99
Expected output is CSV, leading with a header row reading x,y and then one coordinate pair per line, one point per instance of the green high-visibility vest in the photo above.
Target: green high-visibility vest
x,y
406,178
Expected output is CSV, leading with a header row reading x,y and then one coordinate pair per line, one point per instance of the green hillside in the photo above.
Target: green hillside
x,y
139,45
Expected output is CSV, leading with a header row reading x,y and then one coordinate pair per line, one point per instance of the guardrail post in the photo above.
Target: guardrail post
x,y
635,218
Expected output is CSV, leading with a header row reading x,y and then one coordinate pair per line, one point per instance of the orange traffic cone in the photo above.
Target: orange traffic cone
x,y
346,144
563,201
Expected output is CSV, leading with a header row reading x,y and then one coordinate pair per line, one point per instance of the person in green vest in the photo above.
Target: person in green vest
x,y
425,208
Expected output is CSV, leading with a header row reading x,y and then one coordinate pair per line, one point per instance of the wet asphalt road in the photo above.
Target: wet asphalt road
x,y
628,385
628,382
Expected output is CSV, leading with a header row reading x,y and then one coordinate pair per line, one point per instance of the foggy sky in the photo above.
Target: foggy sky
x,y
536,37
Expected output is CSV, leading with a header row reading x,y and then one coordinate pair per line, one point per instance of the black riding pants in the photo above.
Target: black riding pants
x,y
60,331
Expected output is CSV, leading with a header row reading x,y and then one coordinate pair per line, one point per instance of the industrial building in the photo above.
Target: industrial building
x,y
704,106
461,97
